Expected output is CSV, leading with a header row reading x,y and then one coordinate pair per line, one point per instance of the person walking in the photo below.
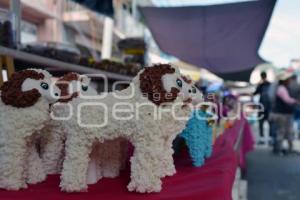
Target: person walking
x,y
263,91
294,89
282,113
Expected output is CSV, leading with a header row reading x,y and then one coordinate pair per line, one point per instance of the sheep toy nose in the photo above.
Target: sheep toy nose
x,y
56,94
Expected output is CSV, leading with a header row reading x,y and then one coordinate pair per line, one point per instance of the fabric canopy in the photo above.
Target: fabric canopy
x,y
221,38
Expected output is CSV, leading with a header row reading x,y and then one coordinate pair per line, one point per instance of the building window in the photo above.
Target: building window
x,y
28,32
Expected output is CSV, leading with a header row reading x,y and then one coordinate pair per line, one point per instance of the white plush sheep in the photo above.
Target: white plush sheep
x,y
71,85
107,158
24,109
173,127
144,103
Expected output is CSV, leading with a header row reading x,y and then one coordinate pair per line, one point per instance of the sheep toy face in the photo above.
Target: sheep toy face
x,y
45,87
24,88
192,91
197,96
186,86
175,82
84,86
73,85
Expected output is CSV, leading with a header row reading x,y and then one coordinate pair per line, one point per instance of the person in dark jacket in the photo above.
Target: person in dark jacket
x,y
263,91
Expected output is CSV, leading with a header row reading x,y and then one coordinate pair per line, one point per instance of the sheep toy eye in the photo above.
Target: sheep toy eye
x,y
45,86
84,88
179,82
194,90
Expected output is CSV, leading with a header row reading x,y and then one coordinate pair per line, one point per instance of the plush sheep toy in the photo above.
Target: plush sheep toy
x,y
198,136
198,132
154,89
24,109
172,127
111,162
72,86
106,158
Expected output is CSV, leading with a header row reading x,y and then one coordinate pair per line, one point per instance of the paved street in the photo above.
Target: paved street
x,y
271,177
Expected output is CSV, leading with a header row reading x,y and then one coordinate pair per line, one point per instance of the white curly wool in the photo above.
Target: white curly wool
x,y
53,134
52,145
145,133
172,128
16,146
19,160
107,158
108,163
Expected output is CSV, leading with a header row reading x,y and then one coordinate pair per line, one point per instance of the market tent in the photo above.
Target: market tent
x,y
221,38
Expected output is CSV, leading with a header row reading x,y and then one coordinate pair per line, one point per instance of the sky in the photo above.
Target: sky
x,y
282,39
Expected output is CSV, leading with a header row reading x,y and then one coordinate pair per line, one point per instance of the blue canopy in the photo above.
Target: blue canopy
x,y
221,38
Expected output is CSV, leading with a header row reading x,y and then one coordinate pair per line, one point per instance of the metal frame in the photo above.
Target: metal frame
x,y
47,62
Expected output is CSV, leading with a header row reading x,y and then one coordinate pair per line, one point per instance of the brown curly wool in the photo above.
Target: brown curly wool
x,y
63,85
11,90
151,84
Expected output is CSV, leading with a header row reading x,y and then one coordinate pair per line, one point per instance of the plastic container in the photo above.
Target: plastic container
x,y
7,33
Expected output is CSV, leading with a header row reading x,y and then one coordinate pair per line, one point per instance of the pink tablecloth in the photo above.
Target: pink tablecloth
x,y
241,130
213,181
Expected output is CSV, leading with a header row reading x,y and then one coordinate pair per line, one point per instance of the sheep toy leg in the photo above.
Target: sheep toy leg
x,y
74,173
196,150
12,162
168,167
198,161
208,150
35,167
52,149
145,167
198,137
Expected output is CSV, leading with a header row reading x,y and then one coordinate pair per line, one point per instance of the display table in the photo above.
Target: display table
x,y
213,181
241,138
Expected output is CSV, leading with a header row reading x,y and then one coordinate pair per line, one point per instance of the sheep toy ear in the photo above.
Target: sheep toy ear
x,y
189,77
152,84
175,67
84,79
12,93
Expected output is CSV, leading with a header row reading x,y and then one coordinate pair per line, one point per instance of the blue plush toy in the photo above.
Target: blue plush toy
x,y
198,136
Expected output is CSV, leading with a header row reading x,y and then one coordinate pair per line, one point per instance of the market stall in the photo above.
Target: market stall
x,y
212,181
44,154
